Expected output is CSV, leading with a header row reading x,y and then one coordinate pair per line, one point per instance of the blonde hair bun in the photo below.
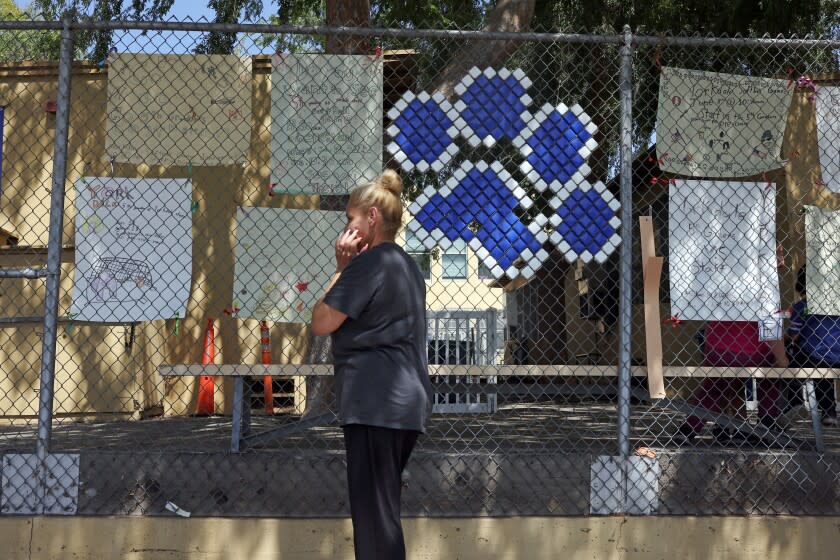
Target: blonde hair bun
x,y
391,182
384,193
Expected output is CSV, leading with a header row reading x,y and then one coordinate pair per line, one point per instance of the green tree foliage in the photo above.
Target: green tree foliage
x,y
719,17
228,11
19,45
404,14
98,42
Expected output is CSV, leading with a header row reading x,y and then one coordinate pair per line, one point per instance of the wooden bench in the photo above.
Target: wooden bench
x,y
241,413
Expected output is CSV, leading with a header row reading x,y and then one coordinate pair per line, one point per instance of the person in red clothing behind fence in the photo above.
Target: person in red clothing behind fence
x,y
736,344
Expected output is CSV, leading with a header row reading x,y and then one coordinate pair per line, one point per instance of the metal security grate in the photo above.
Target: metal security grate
x,y
463,338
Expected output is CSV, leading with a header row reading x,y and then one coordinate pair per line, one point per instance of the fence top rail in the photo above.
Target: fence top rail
x,y
18,25
711,41
319,370
345,30
616,38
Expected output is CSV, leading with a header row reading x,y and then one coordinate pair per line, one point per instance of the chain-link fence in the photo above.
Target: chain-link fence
x,y
168,219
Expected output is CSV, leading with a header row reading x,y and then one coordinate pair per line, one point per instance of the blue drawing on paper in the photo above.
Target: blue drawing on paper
x,y
481,203
114,279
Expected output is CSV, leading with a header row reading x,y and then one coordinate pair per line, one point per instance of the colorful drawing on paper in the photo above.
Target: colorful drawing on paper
x,y
822,253
326,122
722,251
284,260
178,109
828,137
720,125
480,202
133,249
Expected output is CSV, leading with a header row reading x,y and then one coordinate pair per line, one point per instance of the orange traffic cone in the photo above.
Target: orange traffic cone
x,y
206,384
268,391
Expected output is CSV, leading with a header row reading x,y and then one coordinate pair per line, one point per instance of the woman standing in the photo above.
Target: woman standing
x,y
375,310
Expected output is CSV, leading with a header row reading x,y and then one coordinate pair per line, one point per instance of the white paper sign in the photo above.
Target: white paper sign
x,y
720,125
770,328
822,253
326,122
133,249
722,251
178,109
284,260
828,136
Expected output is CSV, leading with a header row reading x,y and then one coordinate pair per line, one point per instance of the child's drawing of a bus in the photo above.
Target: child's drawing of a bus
x,y
119,279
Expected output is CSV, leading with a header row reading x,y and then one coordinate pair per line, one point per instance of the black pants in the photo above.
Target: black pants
x,y
824,388
376,458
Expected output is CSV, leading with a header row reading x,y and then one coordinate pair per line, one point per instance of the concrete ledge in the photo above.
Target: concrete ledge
x,y
312,484
531,538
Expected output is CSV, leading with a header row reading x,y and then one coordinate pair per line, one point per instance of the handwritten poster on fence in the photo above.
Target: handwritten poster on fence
x,y
828,136
284,260
822,253
178,109
720,125
133,249
722,251
326,122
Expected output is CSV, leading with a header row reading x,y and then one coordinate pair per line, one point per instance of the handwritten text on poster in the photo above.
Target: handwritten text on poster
x,y
722,251
178,109
326,122
719,125
828,135
133,249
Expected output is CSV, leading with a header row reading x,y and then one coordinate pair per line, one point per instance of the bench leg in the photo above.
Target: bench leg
x,y
236,435
811,395
246,410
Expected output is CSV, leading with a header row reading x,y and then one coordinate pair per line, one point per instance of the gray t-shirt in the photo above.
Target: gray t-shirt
x,y
381,367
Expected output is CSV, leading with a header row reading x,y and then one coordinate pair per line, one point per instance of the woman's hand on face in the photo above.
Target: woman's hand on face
x,y
347,247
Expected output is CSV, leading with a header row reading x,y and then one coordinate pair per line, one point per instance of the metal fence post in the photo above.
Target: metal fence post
x,y
625,316
48,349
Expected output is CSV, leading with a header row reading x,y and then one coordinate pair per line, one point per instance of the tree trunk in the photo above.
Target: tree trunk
x,y
348,13
508,15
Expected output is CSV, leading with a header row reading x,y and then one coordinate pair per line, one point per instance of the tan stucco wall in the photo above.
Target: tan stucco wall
x,y
528,538
94,373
